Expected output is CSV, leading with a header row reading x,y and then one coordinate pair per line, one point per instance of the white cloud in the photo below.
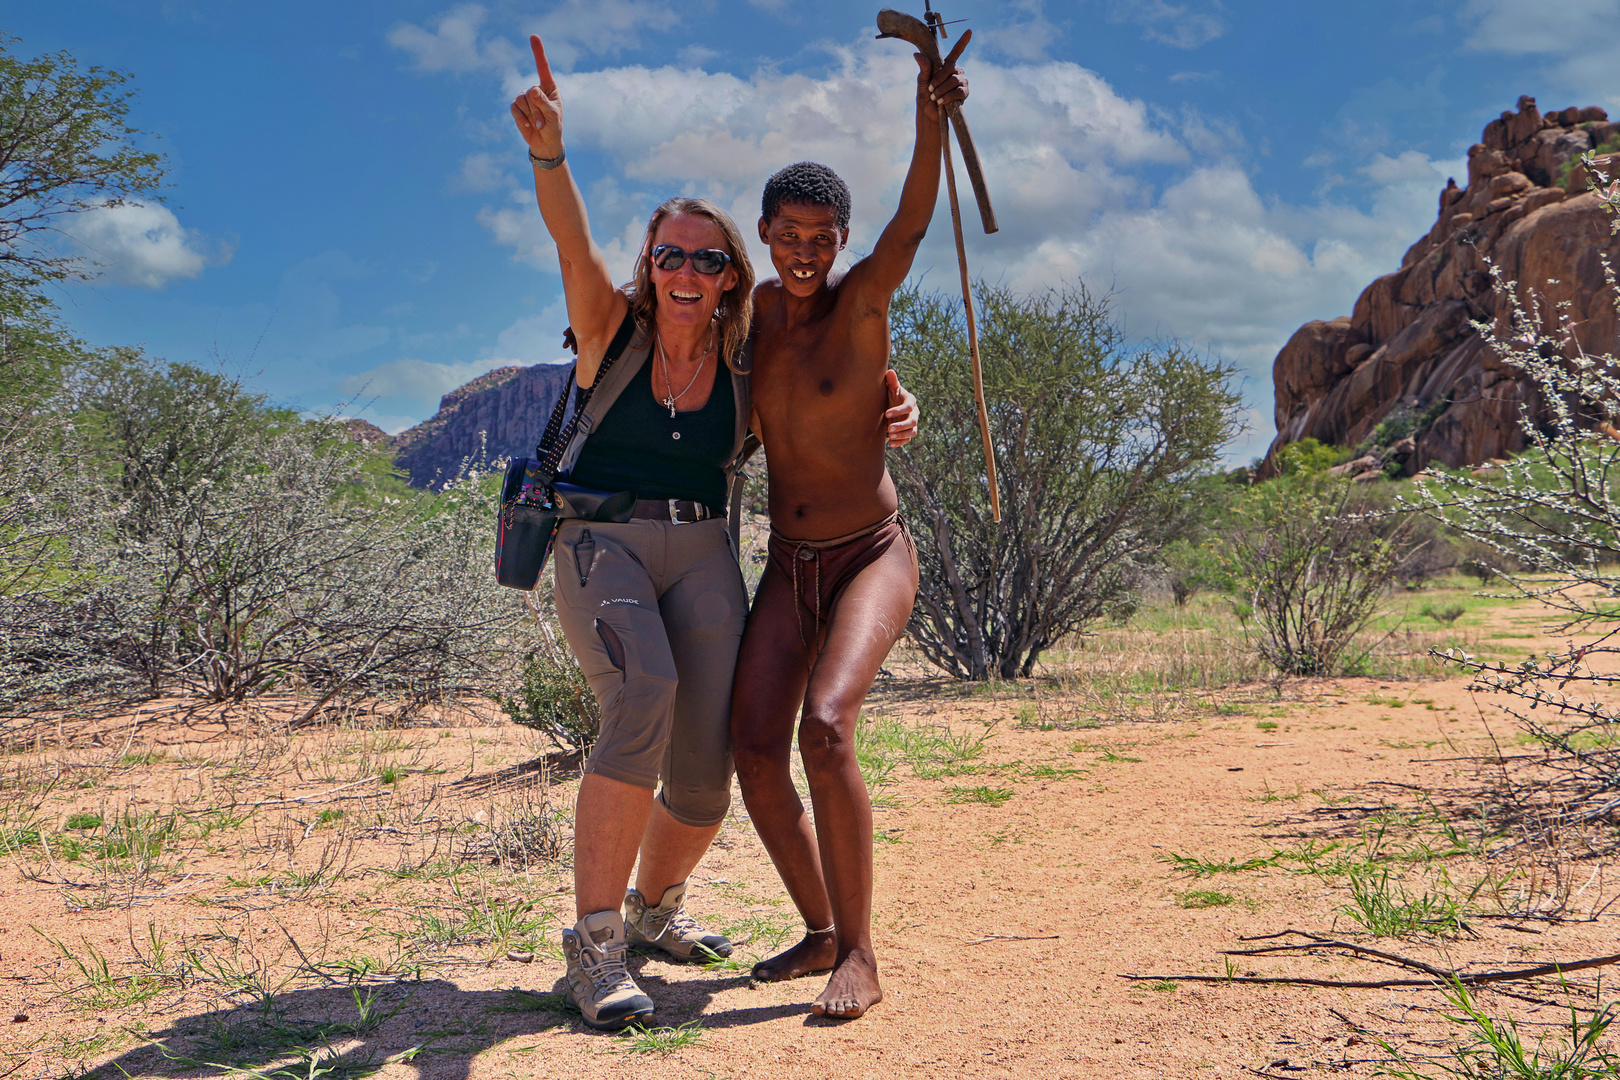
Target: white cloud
x,y
453,45
1086,182
1053,136
696,55
536,339
416,380
1580,38
569,29
1537,26
1180,26
143,244
520,228
1024,36
482,172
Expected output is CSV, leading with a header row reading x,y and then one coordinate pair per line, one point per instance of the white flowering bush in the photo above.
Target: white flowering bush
x,y
1551,516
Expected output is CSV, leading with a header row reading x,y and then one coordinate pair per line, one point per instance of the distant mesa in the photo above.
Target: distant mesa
x,y
1406,378
498,415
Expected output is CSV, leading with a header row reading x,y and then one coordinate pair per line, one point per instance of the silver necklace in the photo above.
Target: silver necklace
x,y
669,402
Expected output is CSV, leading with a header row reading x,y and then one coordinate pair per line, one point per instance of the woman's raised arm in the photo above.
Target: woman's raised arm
x,y
596,307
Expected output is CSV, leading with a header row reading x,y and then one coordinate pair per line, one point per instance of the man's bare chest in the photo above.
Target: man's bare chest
x,y
800,363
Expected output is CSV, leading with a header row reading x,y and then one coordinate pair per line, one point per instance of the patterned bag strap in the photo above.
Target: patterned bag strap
x,y
551,448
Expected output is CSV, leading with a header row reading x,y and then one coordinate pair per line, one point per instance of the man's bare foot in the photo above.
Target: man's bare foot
x,y
815,952
852,989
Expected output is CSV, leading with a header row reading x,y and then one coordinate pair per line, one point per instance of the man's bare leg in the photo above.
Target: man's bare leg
x,y
866,621
772,672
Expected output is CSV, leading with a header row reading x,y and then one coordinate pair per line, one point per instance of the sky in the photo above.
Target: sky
x,y
350,222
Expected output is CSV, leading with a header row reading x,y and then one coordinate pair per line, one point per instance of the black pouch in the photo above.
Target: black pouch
x,y
592,504
530,509
526,526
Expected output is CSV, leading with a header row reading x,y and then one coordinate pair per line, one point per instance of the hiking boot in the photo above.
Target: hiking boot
x,y
669,928
598,982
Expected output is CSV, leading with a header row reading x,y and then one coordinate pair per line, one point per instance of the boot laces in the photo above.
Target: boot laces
x,y
677,923
605,967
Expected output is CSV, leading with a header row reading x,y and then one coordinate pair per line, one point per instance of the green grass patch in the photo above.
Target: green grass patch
x,y
1385,909
992,796
661,1040
1193,899
1493,1049
1188,864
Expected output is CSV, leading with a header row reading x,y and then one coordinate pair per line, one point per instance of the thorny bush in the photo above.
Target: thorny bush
x,y
1313,565
278,559
1553,511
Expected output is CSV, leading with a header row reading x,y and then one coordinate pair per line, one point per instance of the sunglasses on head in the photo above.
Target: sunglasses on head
x,y
706,261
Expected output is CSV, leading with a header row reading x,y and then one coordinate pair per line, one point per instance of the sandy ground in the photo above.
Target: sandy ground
x,y
330,901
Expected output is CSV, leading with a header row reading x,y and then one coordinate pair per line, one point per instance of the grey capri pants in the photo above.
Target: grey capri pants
x,y
654,613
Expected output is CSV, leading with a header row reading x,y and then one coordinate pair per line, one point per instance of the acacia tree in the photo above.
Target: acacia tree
x,y
65,148
1098,443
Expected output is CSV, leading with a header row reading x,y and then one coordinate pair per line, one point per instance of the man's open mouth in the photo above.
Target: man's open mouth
x,y
803,275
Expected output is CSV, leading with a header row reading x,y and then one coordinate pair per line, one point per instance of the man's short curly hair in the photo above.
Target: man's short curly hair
x,y
806,182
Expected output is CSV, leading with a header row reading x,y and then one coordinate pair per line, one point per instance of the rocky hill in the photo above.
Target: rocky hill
x,y
1406,377
497,415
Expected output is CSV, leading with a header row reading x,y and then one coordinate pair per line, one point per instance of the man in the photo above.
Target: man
x,y
842,574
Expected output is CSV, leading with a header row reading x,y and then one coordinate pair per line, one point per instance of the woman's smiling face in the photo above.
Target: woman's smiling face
x,y
685,296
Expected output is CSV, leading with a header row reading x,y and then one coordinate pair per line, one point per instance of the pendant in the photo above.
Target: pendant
x,y
671,403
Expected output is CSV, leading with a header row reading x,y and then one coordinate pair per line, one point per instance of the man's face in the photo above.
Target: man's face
x,y
805,241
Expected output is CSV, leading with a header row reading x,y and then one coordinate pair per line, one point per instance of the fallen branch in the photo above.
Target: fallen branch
x,y
1012,937
1475,979
1318,942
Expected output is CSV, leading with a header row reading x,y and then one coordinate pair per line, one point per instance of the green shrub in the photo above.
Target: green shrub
x,y
554,698
1307,457
1312,565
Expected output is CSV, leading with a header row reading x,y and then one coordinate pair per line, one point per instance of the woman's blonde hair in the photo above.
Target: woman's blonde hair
x,y
735,313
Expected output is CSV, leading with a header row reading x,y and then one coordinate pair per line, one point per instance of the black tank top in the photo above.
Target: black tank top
x,y
638,447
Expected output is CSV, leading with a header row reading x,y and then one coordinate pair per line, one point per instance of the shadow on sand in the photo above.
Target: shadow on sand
x,y
349,1032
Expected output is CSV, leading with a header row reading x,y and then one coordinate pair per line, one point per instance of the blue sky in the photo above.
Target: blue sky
x,y
350,217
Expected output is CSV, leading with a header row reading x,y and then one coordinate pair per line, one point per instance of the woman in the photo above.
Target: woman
x,y
652,607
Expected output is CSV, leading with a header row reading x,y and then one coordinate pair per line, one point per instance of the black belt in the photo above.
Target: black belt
x,y
679,511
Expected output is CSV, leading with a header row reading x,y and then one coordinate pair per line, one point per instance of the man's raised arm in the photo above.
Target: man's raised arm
x,y
881,272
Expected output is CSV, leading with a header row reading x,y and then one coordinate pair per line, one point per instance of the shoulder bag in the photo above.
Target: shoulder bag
x,y
530,505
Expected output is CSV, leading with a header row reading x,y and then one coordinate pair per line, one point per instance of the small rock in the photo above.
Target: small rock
x,y
520,957
20,1018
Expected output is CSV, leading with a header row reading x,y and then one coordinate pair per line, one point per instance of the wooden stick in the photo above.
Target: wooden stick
x,y
1479,979
972,323
1012,937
